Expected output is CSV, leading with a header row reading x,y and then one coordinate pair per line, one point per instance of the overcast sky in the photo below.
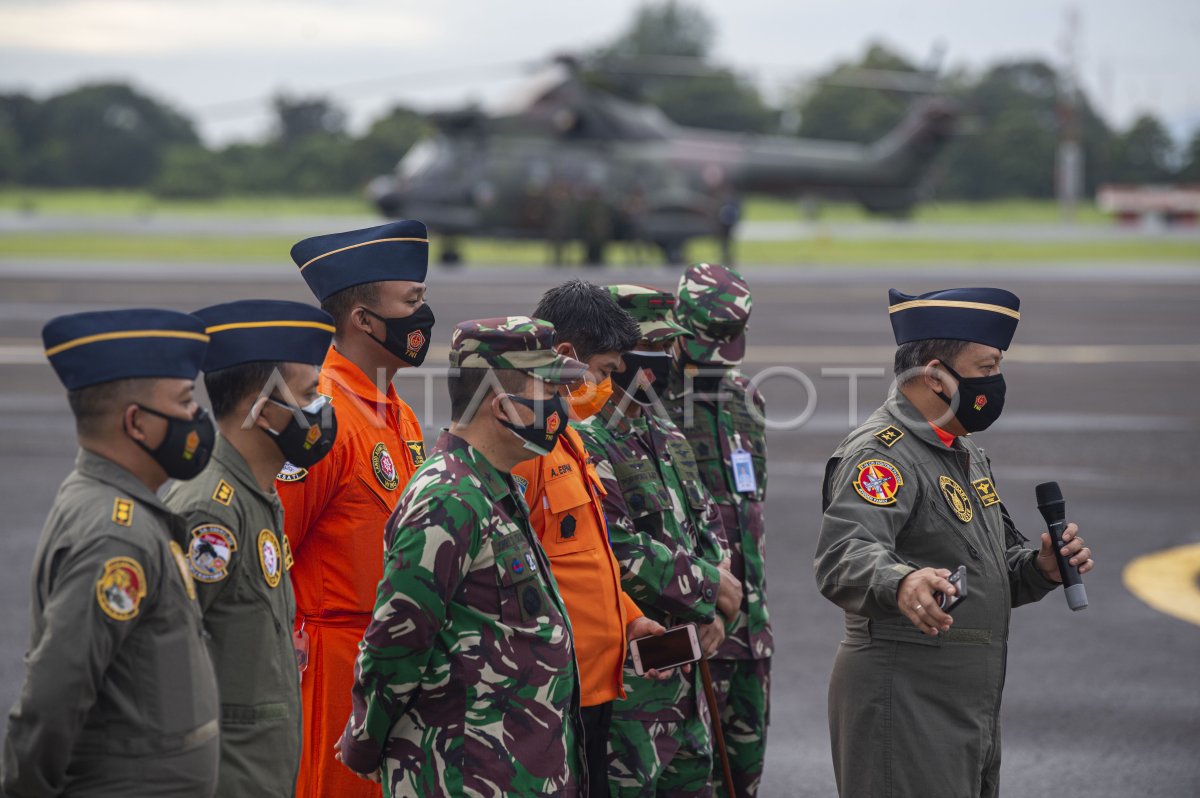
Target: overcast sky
x,y
206,56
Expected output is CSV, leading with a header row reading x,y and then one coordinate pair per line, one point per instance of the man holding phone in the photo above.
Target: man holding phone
x,y
914,699
667,536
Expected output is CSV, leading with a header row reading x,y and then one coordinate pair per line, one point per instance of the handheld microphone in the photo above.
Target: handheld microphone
x,y
1052,507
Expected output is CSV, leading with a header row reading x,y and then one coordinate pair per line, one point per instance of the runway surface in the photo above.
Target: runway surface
x,y
1104,380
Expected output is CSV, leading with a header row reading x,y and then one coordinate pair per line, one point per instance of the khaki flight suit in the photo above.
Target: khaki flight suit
x,y
119,696
909,714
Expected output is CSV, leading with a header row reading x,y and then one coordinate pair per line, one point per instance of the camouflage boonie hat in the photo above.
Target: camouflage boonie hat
x,y
714,306
512,342
651,308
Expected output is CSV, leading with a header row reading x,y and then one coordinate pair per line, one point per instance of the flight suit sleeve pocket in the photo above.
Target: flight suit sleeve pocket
x,y
642,488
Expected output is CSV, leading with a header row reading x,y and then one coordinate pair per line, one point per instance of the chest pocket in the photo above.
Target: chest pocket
x,y
684,463
569,515
642,488
520,591
750,435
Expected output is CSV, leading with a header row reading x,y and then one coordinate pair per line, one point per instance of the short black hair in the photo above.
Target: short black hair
x,y
915,354
92,404
228,387
589,318
464,384
340,304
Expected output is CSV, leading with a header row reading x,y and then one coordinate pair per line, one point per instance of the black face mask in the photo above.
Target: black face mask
x,y
304,445
186,447
655,368
407,336
549,418
980,400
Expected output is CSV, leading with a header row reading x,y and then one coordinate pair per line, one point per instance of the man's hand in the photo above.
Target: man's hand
x,y
729,594
643,627
712,635
1072,547
915,597
374,777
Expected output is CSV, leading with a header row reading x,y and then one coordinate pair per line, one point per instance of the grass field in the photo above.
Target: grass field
x,y
140,203
477,251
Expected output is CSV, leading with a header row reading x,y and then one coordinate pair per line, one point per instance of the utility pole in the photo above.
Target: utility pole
x,y
1068,173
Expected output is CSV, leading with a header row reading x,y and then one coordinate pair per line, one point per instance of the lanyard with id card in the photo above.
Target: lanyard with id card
x,y
743,471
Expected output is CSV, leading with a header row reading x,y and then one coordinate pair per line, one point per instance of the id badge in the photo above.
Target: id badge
x,y
300,643
743,471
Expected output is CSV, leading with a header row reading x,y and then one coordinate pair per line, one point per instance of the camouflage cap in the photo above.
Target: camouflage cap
x,y
714,306
512,342
651,308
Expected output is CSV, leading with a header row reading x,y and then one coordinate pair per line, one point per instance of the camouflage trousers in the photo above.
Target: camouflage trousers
x,y
743,688
657,759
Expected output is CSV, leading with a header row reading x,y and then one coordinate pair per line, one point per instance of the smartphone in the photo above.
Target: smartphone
x,y
959,580
677,646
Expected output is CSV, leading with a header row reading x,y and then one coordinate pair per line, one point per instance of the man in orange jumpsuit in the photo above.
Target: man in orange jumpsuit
x,y
372,283
565,510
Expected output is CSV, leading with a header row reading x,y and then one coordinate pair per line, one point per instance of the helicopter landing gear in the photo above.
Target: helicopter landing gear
x,y
451,254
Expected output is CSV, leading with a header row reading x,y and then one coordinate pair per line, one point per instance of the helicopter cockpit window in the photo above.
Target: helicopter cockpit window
x,y
419,159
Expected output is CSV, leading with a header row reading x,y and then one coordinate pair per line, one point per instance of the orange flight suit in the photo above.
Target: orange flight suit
x,y
564,497
334,515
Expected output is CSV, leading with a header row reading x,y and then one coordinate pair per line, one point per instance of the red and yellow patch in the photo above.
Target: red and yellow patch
x,y
270,557
980,402
553,423
416,340
191,444
121,588
314,435
384,468
878,482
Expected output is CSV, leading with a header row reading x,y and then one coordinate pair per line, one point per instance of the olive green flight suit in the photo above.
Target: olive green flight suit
x,y
119,696
909,714
240,557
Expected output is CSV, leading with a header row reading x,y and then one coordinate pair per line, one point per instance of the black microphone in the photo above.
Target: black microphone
x,y
1052,507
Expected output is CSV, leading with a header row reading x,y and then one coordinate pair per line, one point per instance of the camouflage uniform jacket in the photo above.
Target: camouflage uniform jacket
x,y
465,682
239,557
716,429
666,535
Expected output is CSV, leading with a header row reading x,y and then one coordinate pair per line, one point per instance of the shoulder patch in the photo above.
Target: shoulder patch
x,y
121,588
291,473
957,498
416,451
522,483
270,557
878,482
384,468
889,435
185,573
223,494
122,514
210,551
987,492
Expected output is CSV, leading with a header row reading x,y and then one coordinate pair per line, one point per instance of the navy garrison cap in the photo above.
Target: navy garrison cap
x,y
102,346
394,251
986,316
257,330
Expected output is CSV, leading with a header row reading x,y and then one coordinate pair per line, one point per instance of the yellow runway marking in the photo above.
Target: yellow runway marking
x,y
1167,581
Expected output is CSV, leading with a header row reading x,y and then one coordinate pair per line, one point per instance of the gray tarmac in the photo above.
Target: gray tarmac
x,y
1103,384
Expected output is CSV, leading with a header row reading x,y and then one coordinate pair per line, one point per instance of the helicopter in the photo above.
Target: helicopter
x,y
573,162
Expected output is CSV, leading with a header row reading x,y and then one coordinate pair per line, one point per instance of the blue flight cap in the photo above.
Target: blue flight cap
x,y
986,316
394,251
102,346
258,330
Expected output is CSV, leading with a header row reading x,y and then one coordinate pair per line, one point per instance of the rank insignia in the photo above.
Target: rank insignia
x,y
291,473
416,451
957,498
567,527
270,557
529,558
987,492
224,493
185,572
384,468
878,482
121,588
288,559
210,551
122,512
889,435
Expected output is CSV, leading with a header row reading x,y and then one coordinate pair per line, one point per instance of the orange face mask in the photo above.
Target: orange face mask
x,y
586,400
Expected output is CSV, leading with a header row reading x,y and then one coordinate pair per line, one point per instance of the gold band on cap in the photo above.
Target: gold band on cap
x,y
114,336
951,303
362,244
248,325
